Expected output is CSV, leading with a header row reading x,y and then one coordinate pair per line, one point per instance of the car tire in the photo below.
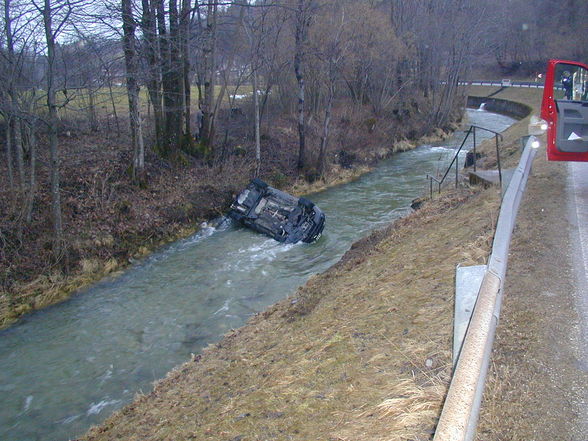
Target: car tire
x,y
305,203
259,183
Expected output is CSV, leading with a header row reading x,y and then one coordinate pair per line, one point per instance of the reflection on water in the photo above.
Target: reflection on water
x,y
70,366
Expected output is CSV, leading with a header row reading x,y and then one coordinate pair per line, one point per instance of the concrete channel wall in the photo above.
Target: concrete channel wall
x,y
497,105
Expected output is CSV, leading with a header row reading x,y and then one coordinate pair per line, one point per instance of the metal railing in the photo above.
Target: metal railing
x,y
455,160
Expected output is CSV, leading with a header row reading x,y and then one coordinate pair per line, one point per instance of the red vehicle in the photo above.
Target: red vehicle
x,y
565,110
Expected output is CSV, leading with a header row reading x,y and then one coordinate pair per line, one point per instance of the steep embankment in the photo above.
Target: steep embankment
x,y
361,352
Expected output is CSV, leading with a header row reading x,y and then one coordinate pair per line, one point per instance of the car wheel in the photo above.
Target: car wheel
x,y
259,183
306,204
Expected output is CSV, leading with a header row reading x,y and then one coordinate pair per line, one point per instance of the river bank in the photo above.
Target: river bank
x,y
74,364
358,350
111,224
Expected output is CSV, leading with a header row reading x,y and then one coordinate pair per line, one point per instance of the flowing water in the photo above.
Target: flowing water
x,y
71,365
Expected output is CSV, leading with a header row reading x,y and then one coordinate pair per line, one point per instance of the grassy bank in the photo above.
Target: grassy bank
x,y
360,352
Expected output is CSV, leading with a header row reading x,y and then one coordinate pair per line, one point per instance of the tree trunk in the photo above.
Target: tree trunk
x,y
92,110
174,84
7,119
257,134
133,89
33,171
58,247
19,154
110,91
300,36
325,136
8,115
149,29
185,55
15,121
168,43
165,62
209,55
139,164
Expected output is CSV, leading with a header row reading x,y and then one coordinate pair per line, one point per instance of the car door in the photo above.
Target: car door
x,y
565,109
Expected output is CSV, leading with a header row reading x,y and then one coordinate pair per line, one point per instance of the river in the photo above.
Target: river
x,y
68,367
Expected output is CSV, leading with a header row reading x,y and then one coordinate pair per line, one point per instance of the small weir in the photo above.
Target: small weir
x,y
71,365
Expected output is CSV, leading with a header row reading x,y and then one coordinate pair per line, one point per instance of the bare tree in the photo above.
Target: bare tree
x,y
331,56
209,79
172,94
184,41
153,58
131,62
62,11
303,17
12,71
254,51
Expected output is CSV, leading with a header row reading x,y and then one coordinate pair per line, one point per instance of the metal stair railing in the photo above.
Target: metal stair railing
x,y
455,160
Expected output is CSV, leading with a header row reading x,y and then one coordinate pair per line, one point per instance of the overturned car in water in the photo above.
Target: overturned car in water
x,y
286,218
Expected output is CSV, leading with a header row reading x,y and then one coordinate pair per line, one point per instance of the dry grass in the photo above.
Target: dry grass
x,y
50,289
336,175
360,352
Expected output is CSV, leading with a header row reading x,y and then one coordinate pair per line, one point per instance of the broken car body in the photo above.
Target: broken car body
x,y
285,218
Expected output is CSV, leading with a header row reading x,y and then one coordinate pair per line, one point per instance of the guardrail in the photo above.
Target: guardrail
x,y
527,84
455,160
459,417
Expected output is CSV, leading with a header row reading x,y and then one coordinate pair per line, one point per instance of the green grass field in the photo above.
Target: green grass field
x,y
110,101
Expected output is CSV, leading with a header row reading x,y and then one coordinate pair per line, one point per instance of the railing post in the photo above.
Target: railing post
x,y
498,160
474,148
456,169
456,158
